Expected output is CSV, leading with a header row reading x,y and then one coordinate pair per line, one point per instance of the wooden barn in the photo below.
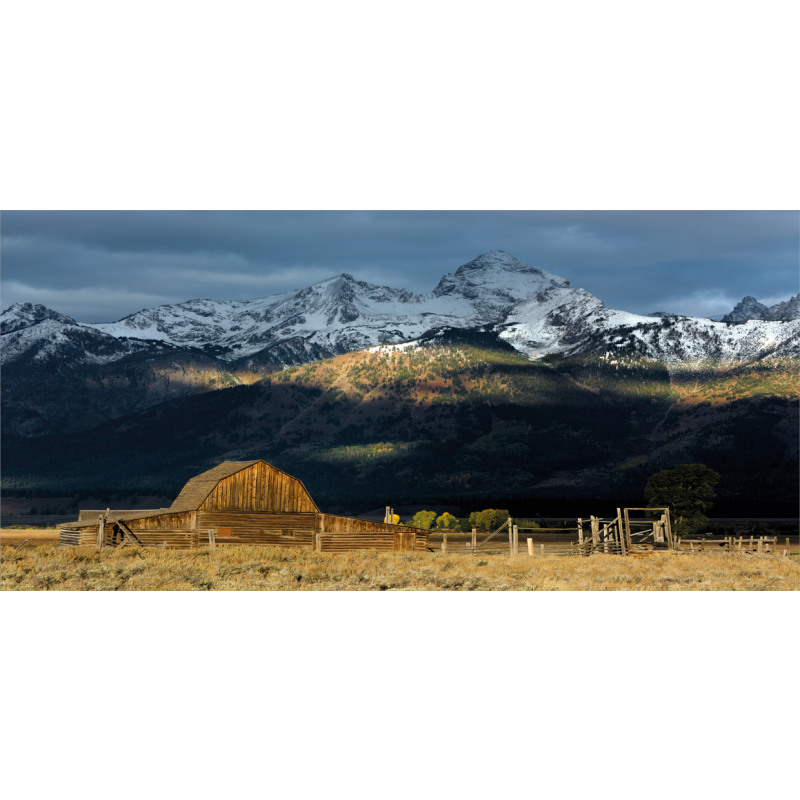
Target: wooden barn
x,y
240,502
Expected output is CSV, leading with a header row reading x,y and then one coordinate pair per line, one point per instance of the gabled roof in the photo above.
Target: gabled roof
x,y
116,516
200,487
197,490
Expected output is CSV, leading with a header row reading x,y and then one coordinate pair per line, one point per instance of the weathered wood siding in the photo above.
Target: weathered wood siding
x,y
259,487
73,537
172,521
332,523
190,529
286,530
338,534
152,537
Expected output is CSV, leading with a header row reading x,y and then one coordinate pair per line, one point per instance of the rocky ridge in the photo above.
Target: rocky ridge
x,y
748,308
536,311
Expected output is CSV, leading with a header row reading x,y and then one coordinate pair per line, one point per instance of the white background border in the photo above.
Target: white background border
x,y
569,105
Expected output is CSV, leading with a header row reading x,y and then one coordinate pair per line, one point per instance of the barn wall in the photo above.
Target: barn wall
x,y
286,530
259,487
173,530
338,534
180,521
153,537
190,529
71,537
332,523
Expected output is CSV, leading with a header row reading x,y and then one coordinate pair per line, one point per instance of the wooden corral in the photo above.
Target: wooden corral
x,y
240,502
623,534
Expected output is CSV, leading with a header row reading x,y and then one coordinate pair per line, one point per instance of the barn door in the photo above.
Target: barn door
x,y
404,540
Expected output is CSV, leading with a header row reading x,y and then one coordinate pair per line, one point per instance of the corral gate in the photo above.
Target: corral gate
x,y
620,535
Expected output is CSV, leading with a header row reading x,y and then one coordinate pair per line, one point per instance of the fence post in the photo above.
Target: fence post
x,y
516,540
212,538
444,542
510,524
530,547
317,542
623,539
101,531
671,540
474,539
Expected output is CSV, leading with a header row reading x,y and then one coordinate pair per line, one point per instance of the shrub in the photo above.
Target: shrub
x,y
488,519
447,522
423,520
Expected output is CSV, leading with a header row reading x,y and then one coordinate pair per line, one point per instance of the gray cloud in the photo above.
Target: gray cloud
x,y
98,266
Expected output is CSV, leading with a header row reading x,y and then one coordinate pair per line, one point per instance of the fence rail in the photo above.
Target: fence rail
x,y
618,536
734,544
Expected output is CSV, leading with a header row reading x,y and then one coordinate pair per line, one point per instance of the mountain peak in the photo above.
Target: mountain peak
x,y
23,315
746,309
497,280
493,259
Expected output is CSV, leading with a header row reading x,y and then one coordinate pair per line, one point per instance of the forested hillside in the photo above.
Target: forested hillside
x,y
463,419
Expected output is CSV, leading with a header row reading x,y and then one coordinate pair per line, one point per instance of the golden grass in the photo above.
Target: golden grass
x,y
259,568
36,536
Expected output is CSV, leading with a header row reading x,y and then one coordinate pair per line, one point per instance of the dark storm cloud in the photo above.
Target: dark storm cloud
x,y
99,266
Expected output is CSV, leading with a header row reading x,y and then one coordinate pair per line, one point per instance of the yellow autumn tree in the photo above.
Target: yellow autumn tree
x,y
447,522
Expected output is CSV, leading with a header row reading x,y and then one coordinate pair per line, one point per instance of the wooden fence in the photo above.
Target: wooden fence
x,y
734,544
620,535
320,533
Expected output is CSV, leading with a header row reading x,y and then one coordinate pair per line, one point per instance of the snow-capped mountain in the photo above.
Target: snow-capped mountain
x,y
533,310
749,308
23,315
342,314
572,321
35,334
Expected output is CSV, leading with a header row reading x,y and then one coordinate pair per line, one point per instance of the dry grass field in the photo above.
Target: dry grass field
x,y
35,536
255,568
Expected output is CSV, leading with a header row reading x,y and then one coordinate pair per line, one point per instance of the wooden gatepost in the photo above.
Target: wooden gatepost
x,y
660,530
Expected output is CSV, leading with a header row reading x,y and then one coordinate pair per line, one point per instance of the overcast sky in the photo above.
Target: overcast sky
x,y
101,266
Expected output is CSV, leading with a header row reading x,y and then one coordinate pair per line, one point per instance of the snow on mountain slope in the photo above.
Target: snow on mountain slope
x,y
343,314
572,321
532,309
23,315
54,338
494,282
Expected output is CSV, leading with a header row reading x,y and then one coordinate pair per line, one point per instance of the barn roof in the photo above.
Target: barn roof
x,y
191,497
200,487
115,516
